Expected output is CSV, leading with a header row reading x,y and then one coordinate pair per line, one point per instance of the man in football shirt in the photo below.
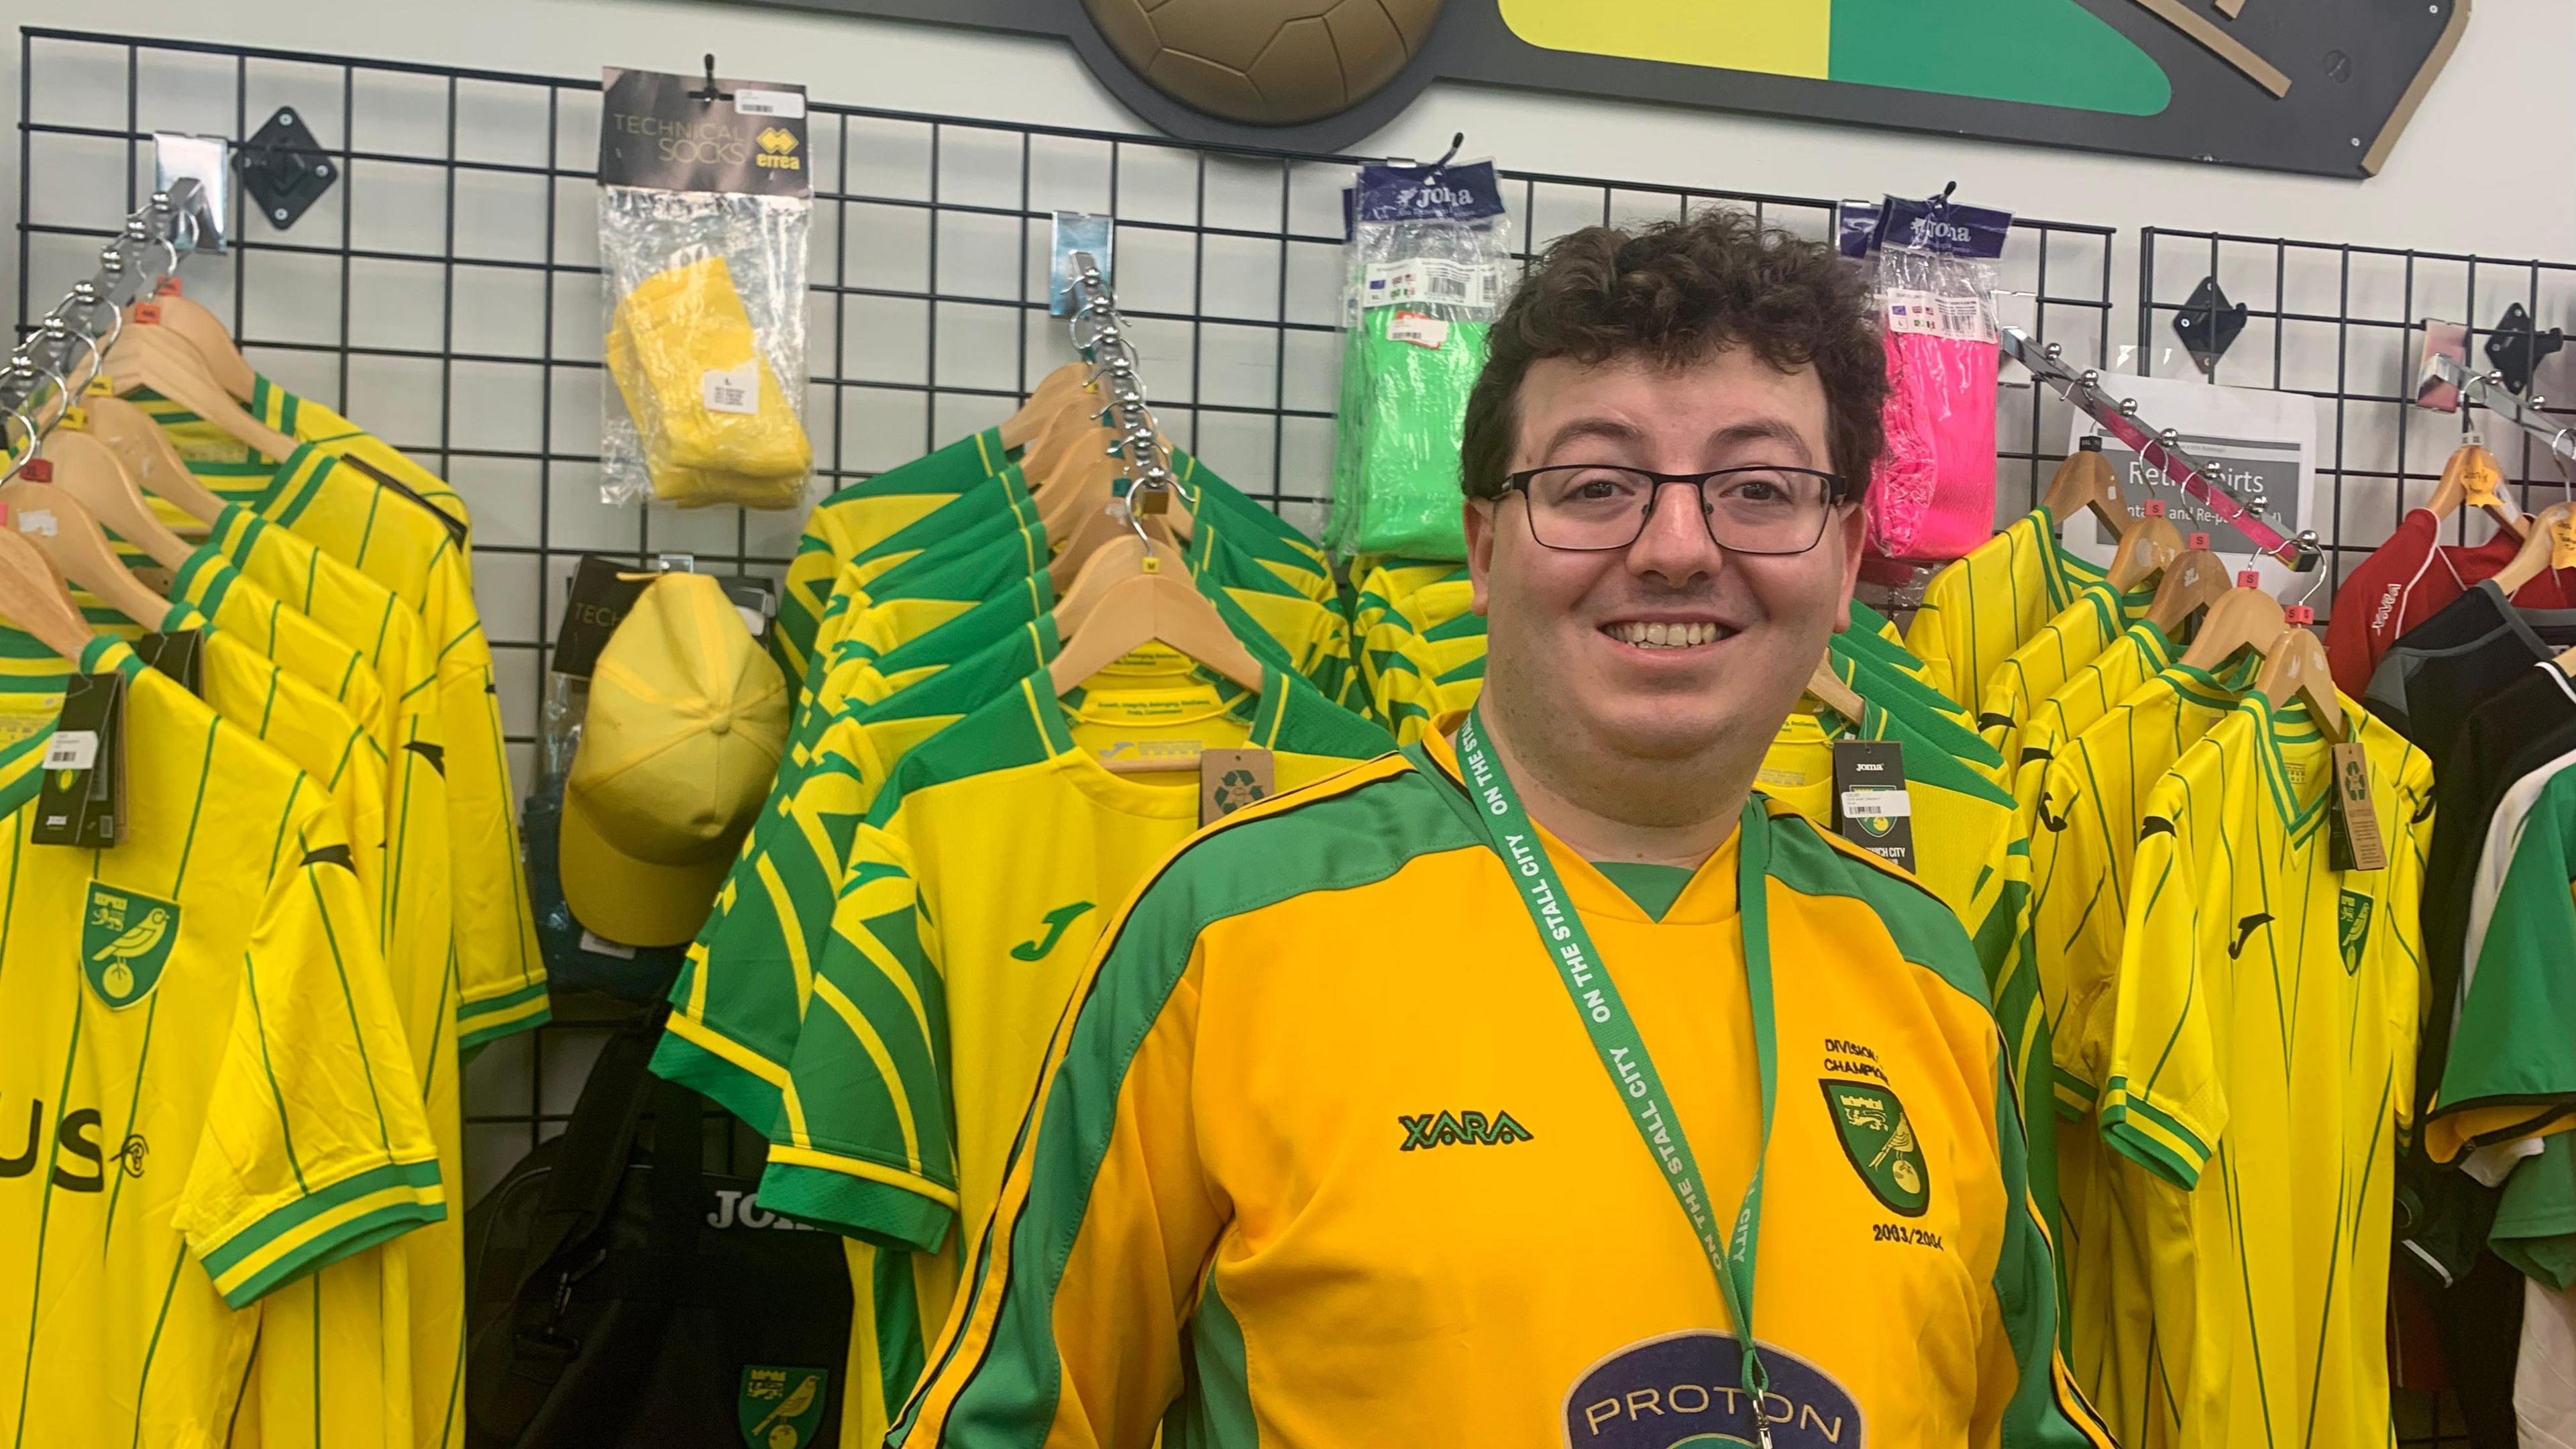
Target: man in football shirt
x,y
1543,1082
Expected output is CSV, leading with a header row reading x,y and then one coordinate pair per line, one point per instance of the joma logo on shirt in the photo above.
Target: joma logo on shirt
x,y
1053,925
1446,1129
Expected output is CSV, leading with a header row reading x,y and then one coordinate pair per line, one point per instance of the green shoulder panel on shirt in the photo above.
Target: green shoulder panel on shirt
x,y
1924,931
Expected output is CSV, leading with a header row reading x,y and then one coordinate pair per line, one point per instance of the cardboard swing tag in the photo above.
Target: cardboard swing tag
x,y
179,654
1871,807
2356,841
82,800
1232,779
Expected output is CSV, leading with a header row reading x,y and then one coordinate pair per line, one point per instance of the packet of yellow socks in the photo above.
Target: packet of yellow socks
x,y
714,425
704,210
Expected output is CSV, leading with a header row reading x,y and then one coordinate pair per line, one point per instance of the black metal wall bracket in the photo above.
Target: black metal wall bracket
x,y
2208,324
2516,349
284,168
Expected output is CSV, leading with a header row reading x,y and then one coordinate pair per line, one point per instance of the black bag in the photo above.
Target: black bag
x,y
625,1298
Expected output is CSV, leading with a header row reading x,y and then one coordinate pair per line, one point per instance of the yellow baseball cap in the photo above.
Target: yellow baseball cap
x,y
687,718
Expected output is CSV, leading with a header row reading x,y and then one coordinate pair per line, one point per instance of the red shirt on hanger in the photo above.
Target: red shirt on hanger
x,y
2409,579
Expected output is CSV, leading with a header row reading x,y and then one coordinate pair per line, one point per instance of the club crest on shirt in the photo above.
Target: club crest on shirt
x,y
780,1408
126,938
2352,928
1880,1142
1687,1389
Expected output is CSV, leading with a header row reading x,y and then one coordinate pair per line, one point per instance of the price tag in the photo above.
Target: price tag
x,y
2298,616
787,105
1876,804
2481,476
602,946
2197,540
2248,579
72,750
2356,844
1417,329
737,391
2152,508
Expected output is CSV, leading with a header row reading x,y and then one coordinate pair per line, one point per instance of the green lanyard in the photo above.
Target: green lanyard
x,y
1614,1033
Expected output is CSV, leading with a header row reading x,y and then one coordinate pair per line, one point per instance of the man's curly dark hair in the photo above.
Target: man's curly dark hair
x,y
1674,292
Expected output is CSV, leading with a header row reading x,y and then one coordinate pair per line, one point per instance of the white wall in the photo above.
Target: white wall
x,y
2505,85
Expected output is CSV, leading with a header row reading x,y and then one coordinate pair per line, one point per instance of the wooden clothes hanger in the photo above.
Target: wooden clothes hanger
x,y
2085,481
2295,667
1055,392
2551,543
1153,606
1828,689
90,471
154,358
33,599
2243,618
205,335
1107,564
71,540
2473,477
2195,580
149,457
2148,545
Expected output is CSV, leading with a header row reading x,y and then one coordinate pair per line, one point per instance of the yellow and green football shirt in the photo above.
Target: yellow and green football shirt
x,y
2264,1039
851,519
2074,638
1257,1195
501,980
178,1172
307,422
970,900
1981,608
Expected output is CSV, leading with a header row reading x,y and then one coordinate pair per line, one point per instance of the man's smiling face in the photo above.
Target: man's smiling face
x,y
1673,645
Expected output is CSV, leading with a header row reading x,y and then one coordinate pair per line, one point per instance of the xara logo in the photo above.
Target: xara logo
x,y
1447,1129
1051,931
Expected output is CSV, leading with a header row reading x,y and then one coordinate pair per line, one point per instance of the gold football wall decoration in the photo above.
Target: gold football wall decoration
x,y
1266,62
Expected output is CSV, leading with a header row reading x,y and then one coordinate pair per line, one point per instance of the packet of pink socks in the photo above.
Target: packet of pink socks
x,y
1933,496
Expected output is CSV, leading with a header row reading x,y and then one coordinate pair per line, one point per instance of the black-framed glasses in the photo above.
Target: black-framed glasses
x,y
1761,509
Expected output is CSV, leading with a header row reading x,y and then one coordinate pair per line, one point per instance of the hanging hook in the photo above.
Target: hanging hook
x,y
711,92
1457,139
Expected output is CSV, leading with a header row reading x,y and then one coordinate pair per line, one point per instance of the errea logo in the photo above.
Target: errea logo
x,y
1446,1129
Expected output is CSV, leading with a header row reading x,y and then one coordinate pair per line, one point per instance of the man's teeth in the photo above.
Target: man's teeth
x,y
1667,636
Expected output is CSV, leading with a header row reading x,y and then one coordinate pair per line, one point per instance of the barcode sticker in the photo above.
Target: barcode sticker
x,y
788,105
1935,315
1417,329
737,391
37,521
1431,279
72,750
602,946
1876,804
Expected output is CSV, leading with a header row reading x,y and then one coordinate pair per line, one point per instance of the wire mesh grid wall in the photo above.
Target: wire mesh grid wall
x,y
2342,324
445,295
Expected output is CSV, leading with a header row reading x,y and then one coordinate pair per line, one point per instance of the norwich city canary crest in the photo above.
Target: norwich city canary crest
x,y
781,1408
2352,929
126,937
1880,1142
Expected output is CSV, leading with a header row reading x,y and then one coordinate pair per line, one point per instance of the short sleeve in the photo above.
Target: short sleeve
x,y
315,1144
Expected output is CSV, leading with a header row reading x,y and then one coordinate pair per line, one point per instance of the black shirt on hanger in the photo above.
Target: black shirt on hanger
x,y
2445,667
